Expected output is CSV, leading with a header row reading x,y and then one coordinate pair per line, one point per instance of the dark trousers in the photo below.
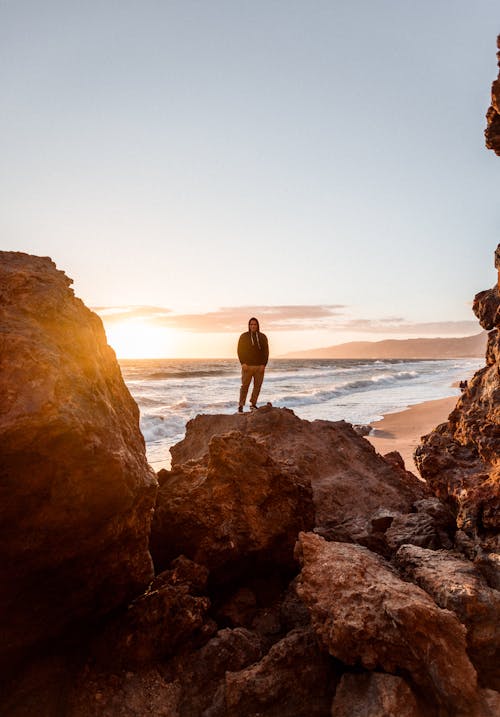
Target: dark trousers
x,y
255,372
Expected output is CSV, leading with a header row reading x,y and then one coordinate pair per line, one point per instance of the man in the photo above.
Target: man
x,y
253,353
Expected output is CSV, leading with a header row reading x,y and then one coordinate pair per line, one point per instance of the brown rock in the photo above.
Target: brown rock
x,y
350,481
375,695
76,490
153,627
460,459
201,674
455,584
142,693
365,614
492,132
240,506
294,679
432,525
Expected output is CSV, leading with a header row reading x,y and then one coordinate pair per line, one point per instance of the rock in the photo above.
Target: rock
x,y
294,679
375,695
76,490
350,481
201,674
492,132
460,459
455,584
143,693
153,627
237,506
431,526
364,614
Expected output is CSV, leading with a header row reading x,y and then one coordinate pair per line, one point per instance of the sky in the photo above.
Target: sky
x,y
189,164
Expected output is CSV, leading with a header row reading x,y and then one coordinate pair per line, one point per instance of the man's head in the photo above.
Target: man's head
x,y
253,325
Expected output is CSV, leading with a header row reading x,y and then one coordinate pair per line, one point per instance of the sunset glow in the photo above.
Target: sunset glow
x,y
133,339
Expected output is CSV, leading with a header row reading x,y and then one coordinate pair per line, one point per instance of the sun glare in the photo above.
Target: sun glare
x,y
135,339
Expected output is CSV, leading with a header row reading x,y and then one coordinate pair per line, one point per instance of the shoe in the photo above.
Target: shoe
x,y
240,409
253,407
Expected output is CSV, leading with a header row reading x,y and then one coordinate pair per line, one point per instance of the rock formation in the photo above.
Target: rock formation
x,y
76,490
351,483
492,132
460,459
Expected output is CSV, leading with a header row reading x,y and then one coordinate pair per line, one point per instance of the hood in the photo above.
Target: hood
x,y
252,318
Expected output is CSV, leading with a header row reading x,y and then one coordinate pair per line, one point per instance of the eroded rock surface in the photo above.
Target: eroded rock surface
x,y
375,694
232,506
455,584
76,492
365,614
492,132
350,481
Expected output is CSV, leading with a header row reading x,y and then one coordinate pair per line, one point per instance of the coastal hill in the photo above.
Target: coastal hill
x,y
439,348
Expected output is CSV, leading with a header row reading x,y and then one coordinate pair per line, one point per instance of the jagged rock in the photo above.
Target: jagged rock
x,y
234,507
432,525
76,490
143,693
183,572
365,614
201,674
375,695
492,132
350,481
294,679
456,585
153,627
460,459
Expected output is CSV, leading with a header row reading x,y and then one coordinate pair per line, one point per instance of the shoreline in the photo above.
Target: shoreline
x,y
403,430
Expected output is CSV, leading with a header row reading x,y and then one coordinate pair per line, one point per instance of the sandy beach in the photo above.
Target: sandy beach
x,y
402,431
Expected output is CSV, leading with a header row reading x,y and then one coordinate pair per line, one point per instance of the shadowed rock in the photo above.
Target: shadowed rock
x,y
235,506
375,695
76,492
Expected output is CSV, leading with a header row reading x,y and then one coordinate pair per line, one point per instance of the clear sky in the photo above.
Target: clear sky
x,y
320,164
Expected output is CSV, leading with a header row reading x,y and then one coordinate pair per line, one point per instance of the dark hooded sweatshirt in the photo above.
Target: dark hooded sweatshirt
x,y
253,349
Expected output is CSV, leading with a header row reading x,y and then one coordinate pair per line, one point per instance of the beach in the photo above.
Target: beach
x,y
403,430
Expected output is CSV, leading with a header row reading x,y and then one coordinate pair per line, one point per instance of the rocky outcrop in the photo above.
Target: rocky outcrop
x,y
76,490
230,507
364,614
375,695
460,459
492,132
350,481
455,584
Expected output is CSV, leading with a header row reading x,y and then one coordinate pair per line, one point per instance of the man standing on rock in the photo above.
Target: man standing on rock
x,y
253,353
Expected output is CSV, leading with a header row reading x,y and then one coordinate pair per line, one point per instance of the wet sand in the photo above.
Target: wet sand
x,y
402,431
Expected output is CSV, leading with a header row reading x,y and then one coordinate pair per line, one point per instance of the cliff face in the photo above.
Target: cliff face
x,y
492,132
461,458
76,492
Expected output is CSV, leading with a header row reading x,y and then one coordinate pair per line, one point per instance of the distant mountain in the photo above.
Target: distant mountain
x,y
466,347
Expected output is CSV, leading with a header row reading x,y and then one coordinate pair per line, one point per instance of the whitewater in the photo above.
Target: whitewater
x,y
169,392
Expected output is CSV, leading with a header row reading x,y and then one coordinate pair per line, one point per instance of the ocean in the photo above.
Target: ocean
x,y
169,392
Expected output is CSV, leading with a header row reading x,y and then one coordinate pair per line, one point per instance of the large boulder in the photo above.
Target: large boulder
x,y
234,506
455,584
76,492
350,481
364,614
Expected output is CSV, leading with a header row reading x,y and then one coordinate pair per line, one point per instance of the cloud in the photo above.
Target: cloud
x,y
295,317
116,314
229,319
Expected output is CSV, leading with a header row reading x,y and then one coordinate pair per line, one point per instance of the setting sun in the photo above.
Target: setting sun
x,y
136,339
